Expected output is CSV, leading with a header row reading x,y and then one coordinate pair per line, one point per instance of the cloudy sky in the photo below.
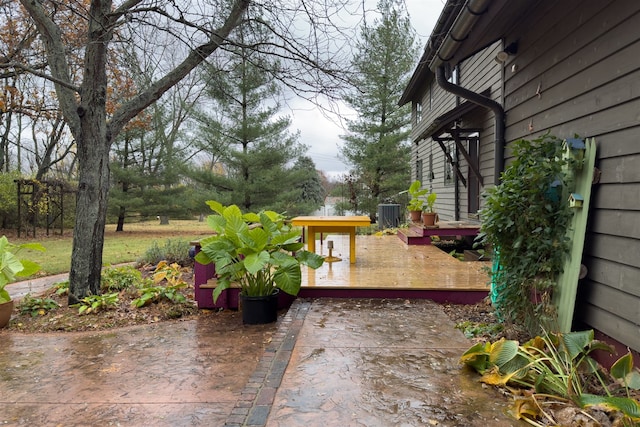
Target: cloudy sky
x,y
322,134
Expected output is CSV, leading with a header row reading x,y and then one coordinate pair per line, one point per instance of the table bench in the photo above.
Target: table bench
x,y
332,224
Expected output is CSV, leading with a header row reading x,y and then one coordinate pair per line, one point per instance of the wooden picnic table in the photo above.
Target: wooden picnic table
x,y
332,224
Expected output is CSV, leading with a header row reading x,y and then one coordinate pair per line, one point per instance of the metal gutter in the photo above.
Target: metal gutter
x,y
458,32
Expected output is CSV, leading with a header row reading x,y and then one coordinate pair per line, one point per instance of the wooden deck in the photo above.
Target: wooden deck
x,y
387,268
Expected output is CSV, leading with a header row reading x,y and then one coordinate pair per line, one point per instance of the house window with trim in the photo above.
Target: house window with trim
x,y
454,75
430,171
448,168
418,112
419,170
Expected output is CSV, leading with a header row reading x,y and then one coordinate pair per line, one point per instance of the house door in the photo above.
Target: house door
x,y
473,185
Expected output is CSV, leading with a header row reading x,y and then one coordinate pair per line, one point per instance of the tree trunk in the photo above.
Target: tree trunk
x,y
93,145
91,213
121,214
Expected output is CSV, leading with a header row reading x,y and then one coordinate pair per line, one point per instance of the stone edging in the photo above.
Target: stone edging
x,y
254,404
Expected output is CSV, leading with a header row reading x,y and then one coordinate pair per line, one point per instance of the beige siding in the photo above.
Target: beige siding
x,y
577,72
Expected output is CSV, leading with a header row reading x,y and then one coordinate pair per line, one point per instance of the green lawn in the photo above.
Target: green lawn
x,y
126,246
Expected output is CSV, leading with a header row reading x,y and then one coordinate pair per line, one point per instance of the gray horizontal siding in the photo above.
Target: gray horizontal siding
x,y
614,326
578,73
614,274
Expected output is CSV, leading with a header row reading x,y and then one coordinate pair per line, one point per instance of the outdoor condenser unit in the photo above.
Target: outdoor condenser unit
x,y
388,216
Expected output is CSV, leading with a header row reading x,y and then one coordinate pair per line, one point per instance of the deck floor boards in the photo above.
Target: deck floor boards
x,y
385,262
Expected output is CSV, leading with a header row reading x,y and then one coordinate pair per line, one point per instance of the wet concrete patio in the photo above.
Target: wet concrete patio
x,y
327,362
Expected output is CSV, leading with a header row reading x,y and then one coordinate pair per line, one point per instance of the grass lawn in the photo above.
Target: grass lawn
x,y
126,246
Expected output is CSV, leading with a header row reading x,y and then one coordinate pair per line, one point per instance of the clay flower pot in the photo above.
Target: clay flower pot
x,y
6,308
415,215
429,219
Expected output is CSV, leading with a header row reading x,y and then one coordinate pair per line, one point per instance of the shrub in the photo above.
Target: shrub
x,y
525,220
8,200
173,251
116,279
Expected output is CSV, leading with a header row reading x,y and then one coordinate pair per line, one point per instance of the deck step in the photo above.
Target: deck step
x,y
417,234
411,237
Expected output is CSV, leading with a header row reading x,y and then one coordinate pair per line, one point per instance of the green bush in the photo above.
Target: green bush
x,y
8,200
525,220
173,251
116,279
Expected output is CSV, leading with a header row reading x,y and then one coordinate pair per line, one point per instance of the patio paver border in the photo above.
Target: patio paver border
x,y
254,404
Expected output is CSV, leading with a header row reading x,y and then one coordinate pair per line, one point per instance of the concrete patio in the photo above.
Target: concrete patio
x,y
326,362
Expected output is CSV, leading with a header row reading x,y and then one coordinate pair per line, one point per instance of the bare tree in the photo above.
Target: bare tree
x,y
306,39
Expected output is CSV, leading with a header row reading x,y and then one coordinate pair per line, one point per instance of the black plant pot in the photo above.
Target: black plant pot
x,y
259,310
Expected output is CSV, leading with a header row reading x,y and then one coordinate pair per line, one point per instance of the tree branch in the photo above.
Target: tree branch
x,y
56,55
195,57
37,73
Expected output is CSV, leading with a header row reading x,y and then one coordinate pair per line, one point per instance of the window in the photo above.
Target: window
x,y
419,170
418,112
448,168
453,77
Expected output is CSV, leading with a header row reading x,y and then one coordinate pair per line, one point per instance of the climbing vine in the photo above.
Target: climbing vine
x,y
525,220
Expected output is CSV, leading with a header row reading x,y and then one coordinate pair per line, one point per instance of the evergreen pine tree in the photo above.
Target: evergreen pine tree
x,y
376,144
253,145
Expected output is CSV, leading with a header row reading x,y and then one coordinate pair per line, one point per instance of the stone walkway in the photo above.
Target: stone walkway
x,y
330,362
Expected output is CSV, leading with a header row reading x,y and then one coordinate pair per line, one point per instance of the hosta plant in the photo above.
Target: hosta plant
x,y
95,303
172,275
558,366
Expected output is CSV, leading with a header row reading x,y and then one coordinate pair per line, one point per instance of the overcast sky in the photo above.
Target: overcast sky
x,y
322,134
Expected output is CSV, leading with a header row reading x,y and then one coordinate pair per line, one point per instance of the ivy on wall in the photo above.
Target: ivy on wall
x,y
525,221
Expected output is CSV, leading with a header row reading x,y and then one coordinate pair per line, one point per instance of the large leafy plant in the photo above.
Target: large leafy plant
x,y
557,368
525,220
258,251
417,194
12,267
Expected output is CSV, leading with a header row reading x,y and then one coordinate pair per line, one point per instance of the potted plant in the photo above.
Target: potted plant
x,y
10,268
259,252
429,215
417,201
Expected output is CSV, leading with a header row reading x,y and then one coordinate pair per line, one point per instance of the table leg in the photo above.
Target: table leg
x,y
311,238
352,245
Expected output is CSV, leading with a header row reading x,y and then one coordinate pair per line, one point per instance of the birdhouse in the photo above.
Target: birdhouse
x,y
575,200
573,149
554,191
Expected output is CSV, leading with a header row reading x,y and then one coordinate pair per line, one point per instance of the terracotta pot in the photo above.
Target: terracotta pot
x,y
429,219
415,215
5,313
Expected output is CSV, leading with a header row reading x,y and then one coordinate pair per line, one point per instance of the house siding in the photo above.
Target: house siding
x,y
478,74
577,72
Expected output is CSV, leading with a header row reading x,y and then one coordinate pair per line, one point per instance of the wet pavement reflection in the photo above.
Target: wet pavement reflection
x,y
381,363
327,362
170,374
